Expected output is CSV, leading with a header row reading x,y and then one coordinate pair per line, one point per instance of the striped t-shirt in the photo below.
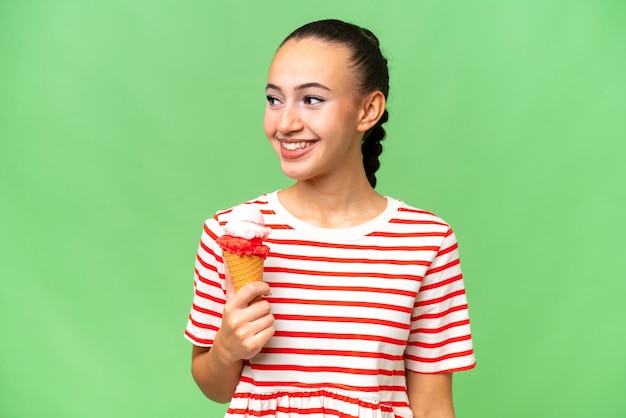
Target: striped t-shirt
x,y
354,308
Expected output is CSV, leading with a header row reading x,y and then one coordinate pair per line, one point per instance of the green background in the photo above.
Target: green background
x,y
124,124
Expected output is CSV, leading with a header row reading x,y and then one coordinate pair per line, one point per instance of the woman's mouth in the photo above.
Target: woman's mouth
x,y
291,150
292,146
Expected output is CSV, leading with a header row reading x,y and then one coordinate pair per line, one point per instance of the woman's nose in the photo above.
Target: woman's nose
x,y
289,120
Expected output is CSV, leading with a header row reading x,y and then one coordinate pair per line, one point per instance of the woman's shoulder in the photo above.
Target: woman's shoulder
x,y
409,213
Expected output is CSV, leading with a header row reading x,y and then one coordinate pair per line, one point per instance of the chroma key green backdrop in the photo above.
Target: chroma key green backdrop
x,y
124,124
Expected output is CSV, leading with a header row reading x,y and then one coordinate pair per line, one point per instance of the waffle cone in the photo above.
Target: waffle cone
x,y
243,269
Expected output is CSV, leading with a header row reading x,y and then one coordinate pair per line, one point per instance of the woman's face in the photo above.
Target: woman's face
x,y
313,111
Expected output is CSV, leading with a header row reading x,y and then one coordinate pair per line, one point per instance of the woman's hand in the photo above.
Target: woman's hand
x,y
245,330
246,327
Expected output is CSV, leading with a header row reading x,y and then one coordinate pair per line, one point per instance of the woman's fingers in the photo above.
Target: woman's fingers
x,y
246,328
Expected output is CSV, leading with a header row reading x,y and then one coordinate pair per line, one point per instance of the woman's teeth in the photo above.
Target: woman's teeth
x,y
296,145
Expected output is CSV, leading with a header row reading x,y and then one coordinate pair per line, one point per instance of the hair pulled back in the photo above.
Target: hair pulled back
x,y
372,75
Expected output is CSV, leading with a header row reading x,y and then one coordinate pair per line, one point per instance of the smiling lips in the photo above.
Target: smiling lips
x,y
292,146
291,150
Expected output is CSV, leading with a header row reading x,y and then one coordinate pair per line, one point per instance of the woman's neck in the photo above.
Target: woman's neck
x,y
332,204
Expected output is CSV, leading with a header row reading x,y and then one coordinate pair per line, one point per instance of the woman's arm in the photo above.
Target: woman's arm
x,y
216,379
430,395
245,330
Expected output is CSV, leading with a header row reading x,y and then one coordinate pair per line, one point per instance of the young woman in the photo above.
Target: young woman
x,y
364,312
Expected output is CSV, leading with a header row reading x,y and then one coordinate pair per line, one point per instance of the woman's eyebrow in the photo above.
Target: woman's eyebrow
x,y
312,85
271,86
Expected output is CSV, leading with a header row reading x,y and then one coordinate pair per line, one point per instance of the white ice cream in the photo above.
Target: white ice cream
x,y
246,221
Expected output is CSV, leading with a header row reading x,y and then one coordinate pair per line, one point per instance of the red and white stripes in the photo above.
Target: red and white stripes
x,y
354,307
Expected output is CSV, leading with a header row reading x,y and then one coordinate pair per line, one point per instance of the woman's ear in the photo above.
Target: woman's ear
x,y
373,108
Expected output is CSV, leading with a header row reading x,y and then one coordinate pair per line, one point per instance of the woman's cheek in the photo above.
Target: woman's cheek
x,y
269,125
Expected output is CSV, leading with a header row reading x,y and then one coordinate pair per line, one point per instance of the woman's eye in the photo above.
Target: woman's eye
x,y
312,100
271,100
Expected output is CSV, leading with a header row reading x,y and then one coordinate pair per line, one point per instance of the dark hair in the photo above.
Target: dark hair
x,y
372,75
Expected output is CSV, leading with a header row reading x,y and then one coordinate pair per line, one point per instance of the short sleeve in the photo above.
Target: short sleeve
x,y
209,296
440,339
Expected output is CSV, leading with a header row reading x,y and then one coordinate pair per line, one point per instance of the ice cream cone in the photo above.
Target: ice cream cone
x,y
242,245
244,269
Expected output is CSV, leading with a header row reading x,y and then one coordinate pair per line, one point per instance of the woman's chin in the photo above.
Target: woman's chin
x,y
296,173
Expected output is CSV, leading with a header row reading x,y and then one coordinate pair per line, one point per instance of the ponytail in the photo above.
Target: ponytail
x,y
371,148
